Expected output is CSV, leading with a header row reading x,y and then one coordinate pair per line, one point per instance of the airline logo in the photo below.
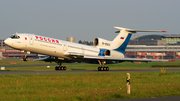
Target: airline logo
x,y
121,37
46,39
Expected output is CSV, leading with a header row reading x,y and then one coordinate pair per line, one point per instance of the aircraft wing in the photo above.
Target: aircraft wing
x,y
102,58
41,59
106,58
122,59
46,59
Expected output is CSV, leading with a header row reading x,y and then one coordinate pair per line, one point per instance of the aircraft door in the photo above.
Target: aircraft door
x,y
64,46
82,50
31,39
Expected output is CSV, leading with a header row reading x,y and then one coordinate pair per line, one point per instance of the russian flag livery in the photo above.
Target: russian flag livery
x,y
121,37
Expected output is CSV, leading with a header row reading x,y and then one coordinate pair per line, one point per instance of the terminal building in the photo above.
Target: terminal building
x,y
154,47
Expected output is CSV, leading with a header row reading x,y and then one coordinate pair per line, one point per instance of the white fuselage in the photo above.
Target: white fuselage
x,y
53,47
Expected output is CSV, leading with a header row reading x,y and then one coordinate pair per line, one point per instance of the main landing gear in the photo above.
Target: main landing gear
x,y
102,68
60,67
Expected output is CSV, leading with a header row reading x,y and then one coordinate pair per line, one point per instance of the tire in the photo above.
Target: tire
x,y
99,68
107,68
56,68
64,68
24,59
104,69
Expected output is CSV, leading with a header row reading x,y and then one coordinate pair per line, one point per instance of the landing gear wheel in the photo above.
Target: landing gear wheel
x,y
99,68
60,68
56,68
107,68
104,68
24,59
64,68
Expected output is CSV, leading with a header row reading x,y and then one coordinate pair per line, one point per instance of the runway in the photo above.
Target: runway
x,y
73,71
39,65
83,71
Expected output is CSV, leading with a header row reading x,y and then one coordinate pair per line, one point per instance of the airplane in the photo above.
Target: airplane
x,y
102,52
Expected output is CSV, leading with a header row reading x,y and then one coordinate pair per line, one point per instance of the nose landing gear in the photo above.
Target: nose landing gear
x,y
25,58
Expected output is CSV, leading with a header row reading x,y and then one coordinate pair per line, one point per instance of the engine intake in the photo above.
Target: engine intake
x,y
107,52
96,41
102,42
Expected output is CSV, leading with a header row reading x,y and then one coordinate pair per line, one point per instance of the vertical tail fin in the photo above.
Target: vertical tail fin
x,y
122,39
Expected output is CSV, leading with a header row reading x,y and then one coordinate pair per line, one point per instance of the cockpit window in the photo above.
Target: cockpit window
x,y
14,36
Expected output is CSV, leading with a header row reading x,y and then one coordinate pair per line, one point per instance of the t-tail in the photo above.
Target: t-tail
x,y
122,39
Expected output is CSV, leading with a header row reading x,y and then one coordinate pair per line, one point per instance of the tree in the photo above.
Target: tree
x,y
80,42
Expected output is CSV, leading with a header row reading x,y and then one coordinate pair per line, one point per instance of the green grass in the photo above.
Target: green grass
x,y
87,86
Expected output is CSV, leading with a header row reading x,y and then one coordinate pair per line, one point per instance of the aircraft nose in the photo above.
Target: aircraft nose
x,y
7,41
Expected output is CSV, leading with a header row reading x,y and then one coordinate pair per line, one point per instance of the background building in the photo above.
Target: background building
x,y
154,46
71,39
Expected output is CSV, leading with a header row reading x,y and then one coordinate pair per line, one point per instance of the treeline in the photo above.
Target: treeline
x,y
85,42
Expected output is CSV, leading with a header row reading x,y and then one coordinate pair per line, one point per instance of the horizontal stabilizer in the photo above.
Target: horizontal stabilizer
x,y
134,31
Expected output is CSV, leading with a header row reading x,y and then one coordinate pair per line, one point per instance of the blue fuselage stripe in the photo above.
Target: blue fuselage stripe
x,y
102,52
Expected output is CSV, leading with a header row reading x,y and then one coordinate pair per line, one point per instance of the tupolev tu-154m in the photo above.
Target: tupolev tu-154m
x,y
102,52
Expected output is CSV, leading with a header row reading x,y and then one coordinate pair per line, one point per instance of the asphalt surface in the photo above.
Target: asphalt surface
x,y
82,71
39,65
72,71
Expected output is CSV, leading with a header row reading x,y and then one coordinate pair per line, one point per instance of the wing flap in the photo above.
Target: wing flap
x,y
74,54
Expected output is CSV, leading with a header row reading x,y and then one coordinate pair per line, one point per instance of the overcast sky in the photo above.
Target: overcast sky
x,y
87,19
